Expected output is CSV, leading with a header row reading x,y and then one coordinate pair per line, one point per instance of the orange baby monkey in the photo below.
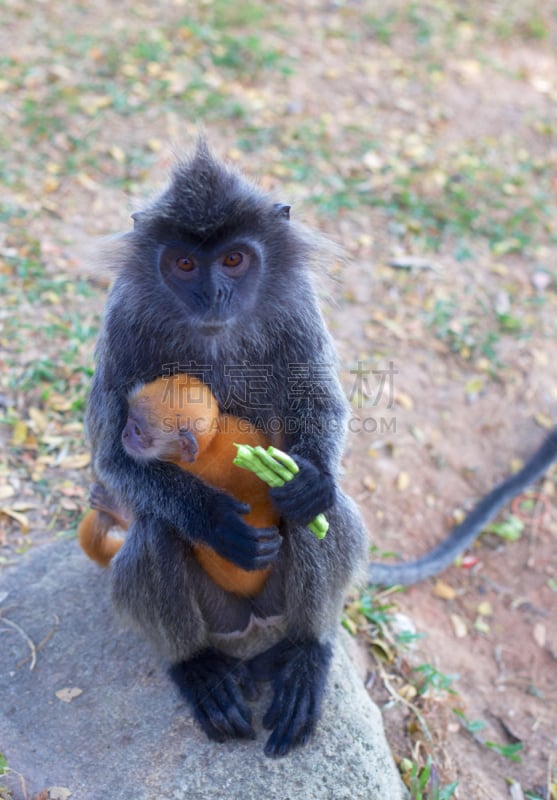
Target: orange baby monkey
x,y
177,419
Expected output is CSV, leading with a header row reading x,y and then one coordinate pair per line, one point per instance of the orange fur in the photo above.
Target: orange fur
x,y
93,537
182,401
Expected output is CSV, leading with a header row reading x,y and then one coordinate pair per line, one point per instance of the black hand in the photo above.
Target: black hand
x,y
232,538
308,494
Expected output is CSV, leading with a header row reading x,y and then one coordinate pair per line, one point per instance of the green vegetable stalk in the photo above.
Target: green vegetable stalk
x,y
275,468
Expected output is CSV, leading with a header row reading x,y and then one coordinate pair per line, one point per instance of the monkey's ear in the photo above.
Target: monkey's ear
x,y
137,216
282,210
188,445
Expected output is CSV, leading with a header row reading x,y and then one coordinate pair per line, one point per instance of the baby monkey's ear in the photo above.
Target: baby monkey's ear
x,y
188,444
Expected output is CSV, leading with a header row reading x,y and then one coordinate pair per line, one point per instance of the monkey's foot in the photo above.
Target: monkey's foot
x,y
100,499
298,672
215,686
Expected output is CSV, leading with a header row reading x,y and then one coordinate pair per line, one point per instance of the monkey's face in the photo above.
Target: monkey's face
x,y
142,436
145,437
216,284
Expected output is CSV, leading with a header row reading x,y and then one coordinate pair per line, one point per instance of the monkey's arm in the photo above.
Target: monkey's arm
x,y
196,511
464,534
315,432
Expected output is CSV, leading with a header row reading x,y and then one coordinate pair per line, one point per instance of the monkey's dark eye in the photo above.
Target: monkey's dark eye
x,y
233,260
175,262
185,264
236,263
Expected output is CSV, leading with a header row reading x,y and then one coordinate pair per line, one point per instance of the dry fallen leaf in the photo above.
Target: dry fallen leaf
x,y
404,400
515,791
369,483
382,649
543,421
6,491
69,505
39,419
408,692
21,519
68,694
540,634
481,625
485,609
403,481
459,626
117,153
59,403
408,262
443,590
58,793
77,461
19,432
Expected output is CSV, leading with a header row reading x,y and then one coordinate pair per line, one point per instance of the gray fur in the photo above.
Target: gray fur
x,y
156,581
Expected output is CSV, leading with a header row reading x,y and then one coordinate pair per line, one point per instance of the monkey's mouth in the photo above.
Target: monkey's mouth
x,y
211,327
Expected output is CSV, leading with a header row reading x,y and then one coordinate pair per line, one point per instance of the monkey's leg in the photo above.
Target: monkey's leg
x,y
93,529
158,583
298,672
317,575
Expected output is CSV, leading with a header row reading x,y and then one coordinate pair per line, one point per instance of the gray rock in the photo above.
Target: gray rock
x,y
127,735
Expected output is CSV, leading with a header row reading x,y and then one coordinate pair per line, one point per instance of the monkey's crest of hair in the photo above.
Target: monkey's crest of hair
x,y
205,198
208,204
209,200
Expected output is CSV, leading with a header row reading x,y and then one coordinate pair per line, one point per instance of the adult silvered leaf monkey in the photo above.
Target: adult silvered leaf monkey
x,y
216,280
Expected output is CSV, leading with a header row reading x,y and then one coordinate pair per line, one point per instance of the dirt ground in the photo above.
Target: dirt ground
x,y
423,139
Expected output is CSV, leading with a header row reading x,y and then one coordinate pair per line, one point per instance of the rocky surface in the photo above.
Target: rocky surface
x,y
87,710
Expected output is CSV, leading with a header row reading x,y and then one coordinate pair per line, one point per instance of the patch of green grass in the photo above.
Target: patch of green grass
x,y
473,727
3,765
242,52
59,329
374,611
245,55
245,15
381,27
421,18
423,783
151,48
470,726
485,190
407,638
435,680
461,332
9,212
510,529
509,751
473,333
40,119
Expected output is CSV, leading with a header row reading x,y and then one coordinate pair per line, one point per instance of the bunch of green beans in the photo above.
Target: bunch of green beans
x,y
275,468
